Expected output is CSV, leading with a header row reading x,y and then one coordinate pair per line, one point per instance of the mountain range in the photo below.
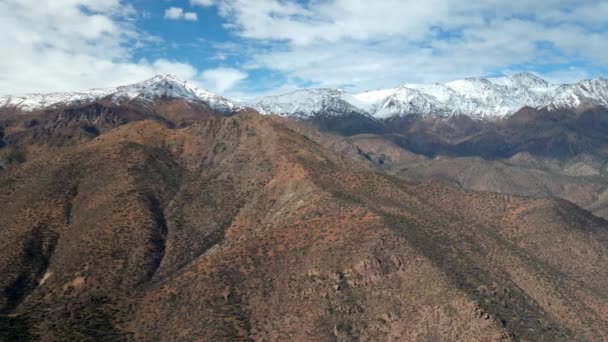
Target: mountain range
x,y
476,97
159,86
159,211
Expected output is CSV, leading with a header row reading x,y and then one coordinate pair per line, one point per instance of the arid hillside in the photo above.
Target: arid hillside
x,y
523,155
239,228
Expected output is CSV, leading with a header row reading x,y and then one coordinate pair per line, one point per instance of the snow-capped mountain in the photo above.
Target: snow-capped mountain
x,y
147,91
477,97
308,103
571,95
405,100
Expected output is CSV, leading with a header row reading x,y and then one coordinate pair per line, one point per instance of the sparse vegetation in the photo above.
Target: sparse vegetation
x,y
14,155
212,232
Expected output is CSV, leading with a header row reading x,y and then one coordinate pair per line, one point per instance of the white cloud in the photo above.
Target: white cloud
x,y
205,3
64,45
176,13
332,21
381,43
221,80
568,75
190,16
70,45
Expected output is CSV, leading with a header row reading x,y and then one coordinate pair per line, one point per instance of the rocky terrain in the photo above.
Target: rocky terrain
x,y
237,228
517,135
539,153
174,221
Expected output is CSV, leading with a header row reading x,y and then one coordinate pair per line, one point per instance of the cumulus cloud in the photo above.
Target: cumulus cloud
x,y
70,45
331,20
377,44
566,75
190,16
176,13
222,79
205,3
56,45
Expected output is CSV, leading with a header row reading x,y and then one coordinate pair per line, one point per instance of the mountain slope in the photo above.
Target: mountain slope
x,y
72,125
533,153
237,228
547,133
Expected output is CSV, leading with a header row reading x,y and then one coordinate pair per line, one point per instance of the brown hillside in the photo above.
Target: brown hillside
x,y
241,229
582,179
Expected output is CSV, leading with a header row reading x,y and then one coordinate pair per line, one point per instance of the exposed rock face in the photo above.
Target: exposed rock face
x,y
207,227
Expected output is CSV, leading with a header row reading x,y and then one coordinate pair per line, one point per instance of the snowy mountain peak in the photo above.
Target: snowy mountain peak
x,y
159,86
477,97
164,78
477,79
528,78
307,103
525,80
404,100
487,97
572,95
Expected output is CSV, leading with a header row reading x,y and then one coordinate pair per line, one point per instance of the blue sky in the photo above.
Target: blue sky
x,y
249,48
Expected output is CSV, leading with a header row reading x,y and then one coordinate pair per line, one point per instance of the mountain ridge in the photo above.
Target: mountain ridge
x,y
481,98
159,86
478,97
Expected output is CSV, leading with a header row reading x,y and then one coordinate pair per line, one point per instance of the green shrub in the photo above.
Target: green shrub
x,y
15,156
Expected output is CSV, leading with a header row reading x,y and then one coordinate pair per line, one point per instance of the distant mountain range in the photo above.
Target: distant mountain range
x,y
476,97
485,117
